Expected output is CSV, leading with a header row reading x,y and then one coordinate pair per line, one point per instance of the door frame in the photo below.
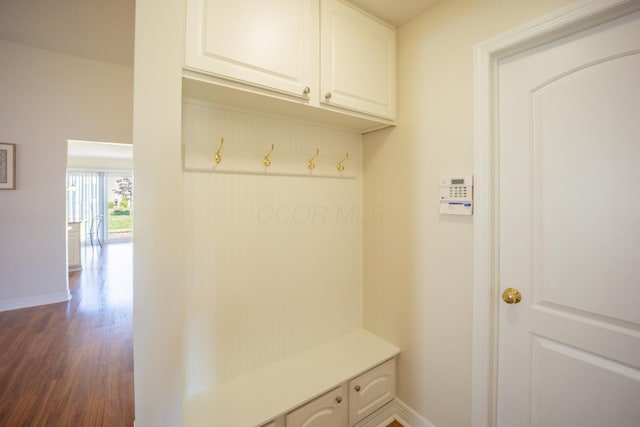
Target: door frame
x,y
568,20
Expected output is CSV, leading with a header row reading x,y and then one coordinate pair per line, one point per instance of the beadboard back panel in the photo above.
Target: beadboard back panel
x,y
272,263
220,140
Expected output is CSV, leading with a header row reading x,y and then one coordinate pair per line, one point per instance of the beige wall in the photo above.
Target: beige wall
x,y
158,268
418,263
47,98
231,278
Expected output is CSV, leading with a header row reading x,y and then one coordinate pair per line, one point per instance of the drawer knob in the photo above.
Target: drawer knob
x,y
307,90
357,388
328,95
339,399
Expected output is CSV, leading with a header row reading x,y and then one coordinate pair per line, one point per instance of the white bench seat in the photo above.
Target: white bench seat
x,y
256,398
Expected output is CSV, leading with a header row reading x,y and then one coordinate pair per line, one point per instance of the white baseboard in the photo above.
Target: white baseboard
x,y
410,418
14,304
395,410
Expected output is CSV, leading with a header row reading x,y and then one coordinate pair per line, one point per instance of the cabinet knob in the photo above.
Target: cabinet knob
x,y
357,388
327,95
307,90
339,399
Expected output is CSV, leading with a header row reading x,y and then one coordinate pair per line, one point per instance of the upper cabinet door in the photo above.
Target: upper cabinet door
x,y
271,44
358,61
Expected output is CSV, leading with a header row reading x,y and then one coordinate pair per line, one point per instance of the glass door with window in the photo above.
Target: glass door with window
x,y
86,201
104,201
119,207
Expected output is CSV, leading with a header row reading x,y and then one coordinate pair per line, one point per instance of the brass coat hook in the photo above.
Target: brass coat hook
x,y
267,161
218,157
310,164
340,164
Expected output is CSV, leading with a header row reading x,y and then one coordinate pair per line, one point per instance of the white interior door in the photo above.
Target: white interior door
x,y
569,234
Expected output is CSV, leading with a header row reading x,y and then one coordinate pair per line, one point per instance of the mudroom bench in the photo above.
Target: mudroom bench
x,y
340,382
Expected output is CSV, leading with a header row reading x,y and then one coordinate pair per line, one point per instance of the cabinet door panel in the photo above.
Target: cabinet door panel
x,y
269,44
371,390
74,249
357,61
328,410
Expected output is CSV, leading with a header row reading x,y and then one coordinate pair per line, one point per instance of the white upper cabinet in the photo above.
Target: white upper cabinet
x,y
358,60
269,44
321,60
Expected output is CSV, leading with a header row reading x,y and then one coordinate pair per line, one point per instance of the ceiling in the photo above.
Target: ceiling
x,y
103,30
394,12
95,29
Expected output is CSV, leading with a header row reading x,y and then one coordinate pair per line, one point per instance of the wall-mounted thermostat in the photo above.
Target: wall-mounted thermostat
x,y
456,195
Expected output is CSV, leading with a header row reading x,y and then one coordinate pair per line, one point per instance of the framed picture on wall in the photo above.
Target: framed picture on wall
x,y
7,166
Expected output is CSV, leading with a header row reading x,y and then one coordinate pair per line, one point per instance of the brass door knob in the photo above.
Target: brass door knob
x,y
511,296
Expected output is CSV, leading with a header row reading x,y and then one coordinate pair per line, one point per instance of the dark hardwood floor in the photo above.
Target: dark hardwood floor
x,y
71,364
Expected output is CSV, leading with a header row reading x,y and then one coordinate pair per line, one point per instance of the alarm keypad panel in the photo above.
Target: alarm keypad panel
x,y
456,195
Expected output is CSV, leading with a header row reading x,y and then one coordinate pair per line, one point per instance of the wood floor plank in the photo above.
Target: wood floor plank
x,y
71,364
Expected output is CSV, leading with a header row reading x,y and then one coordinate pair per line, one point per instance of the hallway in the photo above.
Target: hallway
x,y
71,364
